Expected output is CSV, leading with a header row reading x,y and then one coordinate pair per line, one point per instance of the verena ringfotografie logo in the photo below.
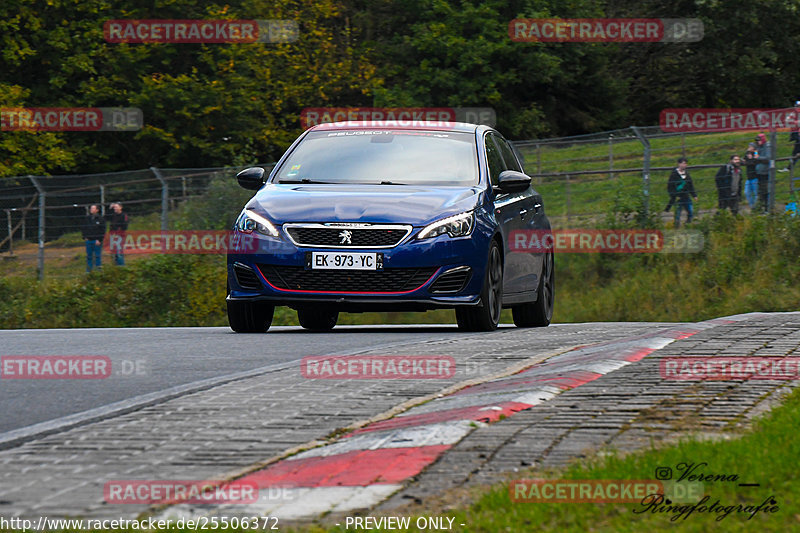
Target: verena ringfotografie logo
x,y
70,119
55,367
182,242
378,367
605,241
200,31
399,117
729,368
687,120
606,30
180,491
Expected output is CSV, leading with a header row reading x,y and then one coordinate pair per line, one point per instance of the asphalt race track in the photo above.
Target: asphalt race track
x,y
154,361
206,404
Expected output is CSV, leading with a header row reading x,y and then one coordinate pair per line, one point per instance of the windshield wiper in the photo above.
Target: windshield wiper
x,y
386,182
304,180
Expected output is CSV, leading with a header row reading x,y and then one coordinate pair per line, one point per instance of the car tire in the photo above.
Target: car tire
x,y
486,316
540,312
317,320
250,317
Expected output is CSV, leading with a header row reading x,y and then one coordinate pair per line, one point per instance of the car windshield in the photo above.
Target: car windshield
x,y
383,157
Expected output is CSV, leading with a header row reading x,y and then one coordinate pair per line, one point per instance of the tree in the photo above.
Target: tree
x,y
203,104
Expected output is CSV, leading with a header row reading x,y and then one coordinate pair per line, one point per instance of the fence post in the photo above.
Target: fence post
x,y
164,197
183,187
539,162
569,191
773,139
10,236
610,156
645,169
683,144
24,216
102,200
42,194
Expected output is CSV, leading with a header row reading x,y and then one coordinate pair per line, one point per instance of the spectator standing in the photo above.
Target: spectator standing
x,y
681,191
729,184
794,137
118,222
791,207
763,158
94,231
751,185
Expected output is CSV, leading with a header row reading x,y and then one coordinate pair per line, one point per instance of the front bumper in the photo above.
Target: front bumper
x,y
416,275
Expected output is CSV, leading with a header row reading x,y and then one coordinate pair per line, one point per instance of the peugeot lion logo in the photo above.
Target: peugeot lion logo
x,y
346,237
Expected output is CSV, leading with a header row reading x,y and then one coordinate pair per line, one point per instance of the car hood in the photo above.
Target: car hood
x,y
362,203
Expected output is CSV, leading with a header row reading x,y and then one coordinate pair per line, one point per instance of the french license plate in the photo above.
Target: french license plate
x,y
344,261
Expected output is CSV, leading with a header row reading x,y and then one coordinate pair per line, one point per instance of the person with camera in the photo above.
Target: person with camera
x,y
729,184
763,158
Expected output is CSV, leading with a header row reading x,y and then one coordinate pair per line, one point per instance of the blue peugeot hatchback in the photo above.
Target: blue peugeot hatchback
x,y
368,217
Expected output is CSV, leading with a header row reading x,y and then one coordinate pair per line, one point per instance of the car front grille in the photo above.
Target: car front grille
x,y
345,236
378,281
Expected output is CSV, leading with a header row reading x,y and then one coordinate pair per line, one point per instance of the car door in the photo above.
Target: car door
x,y
528,204
508,209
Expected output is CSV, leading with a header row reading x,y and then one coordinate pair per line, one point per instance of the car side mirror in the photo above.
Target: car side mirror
x,y
251,178
513,181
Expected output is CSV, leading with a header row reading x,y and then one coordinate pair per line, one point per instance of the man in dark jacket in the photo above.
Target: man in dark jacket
x,y
118,222
681,191
729,184
94,230
751,185
762,169
794,138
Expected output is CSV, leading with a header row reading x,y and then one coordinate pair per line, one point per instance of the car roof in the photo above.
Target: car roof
x,y
461,127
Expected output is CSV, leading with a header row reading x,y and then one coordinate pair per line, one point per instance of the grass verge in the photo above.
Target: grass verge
x,y
766,454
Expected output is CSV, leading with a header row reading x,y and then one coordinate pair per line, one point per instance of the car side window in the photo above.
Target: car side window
x,y
511,162
494,159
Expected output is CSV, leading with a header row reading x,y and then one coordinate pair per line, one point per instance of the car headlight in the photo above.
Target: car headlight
x,y
455,226
250,221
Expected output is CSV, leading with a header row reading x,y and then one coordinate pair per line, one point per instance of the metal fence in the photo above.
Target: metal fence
x,y
42,209
584,178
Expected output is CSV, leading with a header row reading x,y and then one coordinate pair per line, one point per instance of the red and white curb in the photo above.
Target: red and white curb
x,y
366,466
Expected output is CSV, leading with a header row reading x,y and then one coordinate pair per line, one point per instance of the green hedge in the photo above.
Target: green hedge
x,y
749,263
